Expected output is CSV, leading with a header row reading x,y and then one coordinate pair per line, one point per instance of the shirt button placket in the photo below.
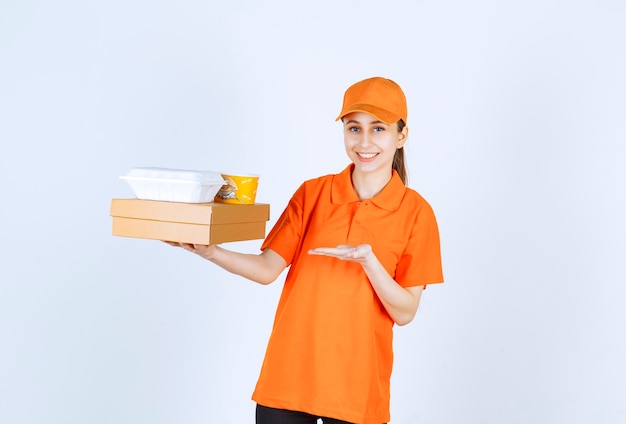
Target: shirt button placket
x,y
357,231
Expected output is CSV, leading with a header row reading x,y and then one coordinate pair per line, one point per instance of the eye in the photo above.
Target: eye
x,y
353,129
379,129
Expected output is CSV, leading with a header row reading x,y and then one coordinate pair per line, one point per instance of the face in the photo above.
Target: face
x,y
370,143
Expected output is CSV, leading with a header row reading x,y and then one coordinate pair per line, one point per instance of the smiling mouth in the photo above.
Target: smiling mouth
x,y
367,155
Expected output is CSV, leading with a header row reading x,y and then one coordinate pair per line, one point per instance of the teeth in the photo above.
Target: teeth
x,y
367,155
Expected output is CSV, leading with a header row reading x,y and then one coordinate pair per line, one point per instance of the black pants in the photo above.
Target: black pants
x,y
265,415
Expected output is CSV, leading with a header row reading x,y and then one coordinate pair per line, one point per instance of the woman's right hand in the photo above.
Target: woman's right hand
x,y
204,250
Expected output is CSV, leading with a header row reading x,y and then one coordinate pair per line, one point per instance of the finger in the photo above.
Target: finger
x,y
344,246
325,251
171,243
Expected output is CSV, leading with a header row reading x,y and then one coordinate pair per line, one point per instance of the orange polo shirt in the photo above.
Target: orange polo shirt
x,y
330,350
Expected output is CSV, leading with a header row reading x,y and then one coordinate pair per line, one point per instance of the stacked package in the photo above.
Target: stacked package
x,y
178,205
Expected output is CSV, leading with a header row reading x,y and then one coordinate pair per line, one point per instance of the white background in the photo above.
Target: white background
x,y
517,138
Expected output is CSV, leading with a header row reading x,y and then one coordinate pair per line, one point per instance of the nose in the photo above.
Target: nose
x,y
365,140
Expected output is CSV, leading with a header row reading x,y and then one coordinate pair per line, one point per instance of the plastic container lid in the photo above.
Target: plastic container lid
x,y
172,175
174,185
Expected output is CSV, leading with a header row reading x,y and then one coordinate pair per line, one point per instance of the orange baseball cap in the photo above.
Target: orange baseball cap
x,y
380,97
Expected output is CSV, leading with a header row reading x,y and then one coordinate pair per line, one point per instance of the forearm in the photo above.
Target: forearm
x,y
258,268
263,268
400,302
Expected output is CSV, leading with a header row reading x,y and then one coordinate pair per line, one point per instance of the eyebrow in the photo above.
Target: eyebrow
x,y
354,121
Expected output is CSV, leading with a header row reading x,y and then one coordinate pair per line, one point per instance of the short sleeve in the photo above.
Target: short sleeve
x,y
420,263
286,235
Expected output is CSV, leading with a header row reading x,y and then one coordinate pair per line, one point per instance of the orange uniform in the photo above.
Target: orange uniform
x,y
330,351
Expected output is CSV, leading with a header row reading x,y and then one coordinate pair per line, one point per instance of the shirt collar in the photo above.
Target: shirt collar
x,y
389,198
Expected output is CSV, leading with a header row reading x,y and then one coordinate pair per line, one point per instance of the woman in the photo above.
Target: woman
x,y
361,247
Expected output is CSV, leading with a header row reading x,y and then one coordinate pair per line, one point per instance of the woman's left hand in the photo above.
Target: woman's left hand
x,y
400,302
345,252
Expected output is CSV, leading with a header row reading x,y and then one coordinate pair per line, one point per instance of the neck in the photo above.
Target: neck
x,y
369,185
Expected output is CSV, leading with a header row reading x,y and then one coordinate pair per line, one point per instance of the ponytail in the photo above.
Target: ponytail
x,y
398,159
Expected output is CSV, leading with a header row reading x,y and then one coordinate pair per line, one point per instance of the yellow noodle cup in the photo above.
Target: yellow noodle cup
x,y
238,189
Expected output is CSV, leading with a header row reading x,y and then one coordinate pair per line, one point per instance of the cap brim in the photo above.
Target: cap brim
x,y
378,113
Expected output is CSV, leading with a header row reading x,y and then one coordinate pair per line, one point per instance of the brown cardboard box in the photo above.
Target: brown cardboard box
x,y
200,223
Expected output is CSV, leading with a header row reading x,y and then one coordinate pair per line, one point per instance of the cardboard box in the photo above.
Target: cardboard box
x,y
199,223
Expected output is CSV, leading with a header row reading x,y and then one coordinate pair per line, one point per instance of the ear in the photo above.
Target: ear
x,y
402,137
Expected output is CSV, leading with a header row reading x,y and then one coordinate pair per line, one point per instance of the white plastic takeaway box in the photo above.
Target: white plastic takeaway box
x,y
174,185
